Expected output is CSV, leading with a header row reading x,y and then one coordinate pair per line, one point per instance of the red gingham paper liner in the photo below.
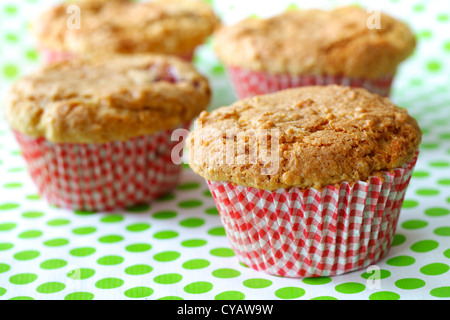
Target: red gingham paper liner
x,y
101,177
251,83
310,233
51,56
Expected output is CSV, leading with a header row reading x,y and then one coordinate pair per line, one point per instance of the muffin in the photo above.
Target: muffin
x,y
174,27
308,181
314,47
96,132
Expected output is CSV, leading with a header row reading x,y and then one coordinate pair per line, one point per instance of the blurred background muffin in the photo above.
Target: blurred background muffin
x,y
174,27
346,45
96,132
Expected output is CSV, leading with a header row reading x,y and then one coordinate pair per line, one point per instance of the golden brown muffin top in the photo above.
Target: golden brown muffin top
x,y
103,99
124,26
336,42
316,136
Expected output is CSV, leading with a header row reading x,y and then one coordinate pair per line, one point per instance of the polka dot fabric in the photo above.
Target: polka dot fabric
x,y
176,247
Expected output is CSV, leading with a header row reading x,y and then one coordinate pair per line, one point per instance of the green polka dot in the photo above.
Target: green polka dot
x,y
440,164
164,215
401,261
84,230
324,298
22,298
429,145
384,295
80,273
420,174
257,283
398,239
192,222
33,197
414,224
23,278
434,66
32,214
138,247
193,243
4,267
447,46
166,256
441,292
230,295
109,283
195,264
171,298
26,255
188,204
110,260
138,292
112,238
350,287
212,211
379,274
198,287
442,231
207,193
168,278
290,293
58,222
51,287
424,246
56,242
10,71
32,55
437,212
5,246
12,185
53,264
84,212
7,226
2,291
112,218
139,208
167,234
138,269
444,182
317,281
79,296
30,234
427,192
10,9
188,186
137,227
222,252
218,231
82,252
434,269
166,197
409,283
226,273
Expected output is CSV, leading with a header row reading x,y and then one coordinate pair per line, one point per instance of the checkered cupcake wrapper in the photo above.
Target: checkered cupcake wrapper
x,y
251,83
52,56
311,233
101,177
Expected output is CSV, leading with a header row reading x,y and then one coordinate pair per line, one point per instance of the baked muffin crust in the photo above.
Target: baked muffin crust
x,y
326,135
124,26
336,42
106,98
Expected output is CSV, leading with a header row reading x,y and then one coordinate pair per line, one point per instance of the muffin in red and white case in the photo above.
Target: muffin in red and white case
x,y
346,46
174,27
96,132
308,181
